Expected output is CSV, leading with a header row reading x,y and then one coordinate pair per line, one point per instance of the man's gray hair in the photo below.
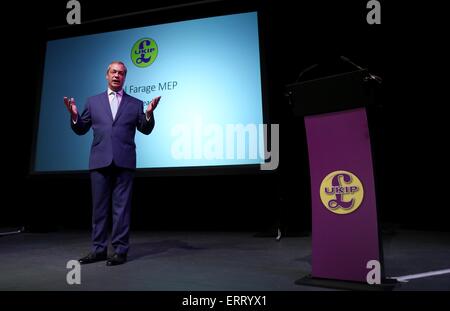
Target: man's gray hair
x,y
117,62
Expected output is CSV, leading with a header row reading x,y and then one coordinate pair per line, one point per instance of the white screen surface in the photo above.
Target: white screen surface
x,y
207,72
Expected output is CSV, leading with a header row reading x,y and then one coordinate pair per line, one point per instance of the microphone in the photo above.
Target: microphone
x,y
345,59
305,71
289,93
370,77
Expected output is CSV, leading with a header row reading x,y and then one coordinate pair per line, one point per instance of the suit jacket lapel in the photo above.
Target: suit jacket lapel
x,y
106,105
122,105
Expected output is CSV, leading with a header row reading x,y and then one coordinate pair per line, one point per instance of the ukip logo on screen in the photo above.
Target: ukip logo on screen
x,y
144,52
341,192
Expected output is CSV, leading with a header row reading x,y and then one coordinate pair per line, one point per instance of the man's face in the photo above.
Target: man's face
x,y
116,77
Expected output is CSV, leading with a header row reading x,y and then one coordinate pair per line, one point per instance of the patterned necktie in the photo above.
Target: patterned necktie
x,y
114,104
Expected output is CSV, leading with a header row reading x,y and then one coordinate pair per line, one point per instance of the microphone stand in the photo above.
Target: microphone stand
x,y
369,77
289,93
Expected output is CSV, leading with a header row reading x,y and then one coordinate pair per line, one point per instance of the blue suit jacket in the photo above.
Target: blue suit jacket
x,y
113,139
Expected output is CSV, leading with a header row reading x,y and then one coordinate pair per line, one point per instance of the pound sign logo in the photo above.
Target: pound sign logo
x,y
144,52
341,192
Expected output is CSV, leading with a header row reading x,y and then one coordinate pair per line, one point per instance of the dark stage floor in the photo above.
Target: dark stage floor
x,y
191,261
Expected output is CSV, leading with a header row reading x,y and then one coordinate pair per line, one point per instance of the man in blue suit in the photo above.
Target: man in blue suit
x,y
114,117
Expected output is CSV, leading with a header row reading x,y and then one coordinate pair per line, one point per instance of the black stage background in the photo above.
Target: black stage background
x,y
409,122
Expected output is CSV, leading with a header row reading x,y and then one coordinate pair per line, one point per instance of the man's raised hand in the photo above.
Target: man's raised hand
x,y
152,106
71,107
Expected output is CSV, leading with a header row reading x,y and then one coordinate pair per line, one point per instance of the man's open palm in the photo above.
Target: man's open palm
x,y
152,106
71,107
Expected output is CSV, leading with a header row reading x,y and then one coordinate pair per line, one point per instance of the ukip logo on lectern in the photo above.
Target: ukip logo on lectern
x,y
341,192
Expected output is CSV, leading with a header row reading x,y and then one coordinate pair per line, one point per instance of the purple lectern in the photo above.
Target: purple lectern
x,y
346,246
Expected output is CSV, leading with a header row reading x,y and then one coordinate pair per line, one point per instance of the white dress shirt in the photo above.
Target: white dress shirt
x,y
111,96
